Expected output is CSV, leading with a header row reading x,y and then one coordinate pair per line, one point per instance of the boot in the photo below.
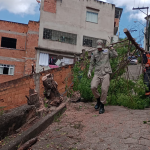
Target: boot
x,y
102,110
97,104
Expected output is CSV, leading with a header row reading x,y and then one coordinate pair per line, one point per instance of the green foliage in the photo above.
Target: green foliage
x,y
121,92
46,105
56,117
69,91
128,93
1,111
139,60
81,82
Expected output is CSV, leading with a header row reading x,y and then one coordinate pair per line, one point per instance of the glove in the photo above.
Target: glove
x,y
111,47
89,74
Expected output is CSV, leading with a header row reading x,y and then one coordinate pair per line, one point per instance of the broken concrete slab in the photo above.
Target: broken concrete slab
x,y
14,119
35,129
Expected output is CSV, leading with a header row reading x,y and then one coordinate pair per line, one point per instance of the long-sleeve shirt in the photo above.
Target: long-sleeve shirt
x,y
100,60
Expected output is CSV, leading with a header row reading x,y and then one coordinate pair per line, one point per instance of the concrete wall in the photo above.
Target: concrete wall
x,y
25,54
70,16
12,93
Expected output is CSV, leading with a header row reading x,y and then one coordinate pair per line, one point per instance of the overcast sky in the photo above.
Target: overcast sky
x,y
24,10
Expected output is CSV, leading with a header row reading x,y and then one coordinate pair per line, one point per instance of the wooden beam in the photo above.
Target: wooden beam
x,y
120,42
132,40
117,43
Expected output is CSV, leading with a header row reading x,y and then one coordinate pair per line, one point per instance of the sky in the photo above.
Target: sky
x,y
24,10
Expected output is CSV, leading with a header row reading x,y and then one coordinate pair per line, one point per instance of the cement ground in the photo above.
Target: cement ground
x,y
82,128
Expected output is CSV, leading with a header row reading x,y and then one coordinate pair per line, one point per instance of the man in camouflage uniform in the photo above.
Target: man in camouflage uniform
x,y
100,60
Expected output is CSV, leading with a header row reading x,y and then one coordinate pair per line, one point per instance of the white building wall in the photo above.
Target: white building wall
x,y
70,17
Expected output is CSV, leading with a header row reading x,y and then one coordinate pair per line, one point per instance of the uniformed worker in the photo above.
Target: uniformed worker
x,y
100,60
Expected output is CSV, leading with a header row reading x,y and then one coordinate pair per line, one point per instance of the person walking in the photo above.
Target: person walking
x,y
100,61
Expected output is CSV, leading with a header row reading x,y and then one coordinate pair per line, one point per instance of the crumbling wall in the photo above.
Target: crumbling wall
x,y
12,93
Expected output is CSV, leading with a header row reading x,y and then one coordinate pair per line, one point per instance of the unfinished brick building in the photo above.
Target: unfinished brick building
x,y
17,49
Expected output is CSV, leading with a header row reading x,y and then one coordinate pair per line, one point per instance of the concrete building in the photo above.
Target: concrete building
x,y
17,49
69,26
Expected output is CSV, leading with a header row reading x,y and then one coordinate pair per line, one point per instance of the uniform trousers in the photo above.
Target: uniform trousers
x,y
105,82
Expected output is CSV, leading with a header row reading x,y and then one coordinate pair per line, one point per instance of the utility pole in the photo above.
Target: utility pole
x,y
139,8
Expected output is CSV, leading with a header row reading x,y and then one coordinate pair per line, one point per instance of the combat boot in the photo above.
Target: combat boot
x,y
97,104
102,110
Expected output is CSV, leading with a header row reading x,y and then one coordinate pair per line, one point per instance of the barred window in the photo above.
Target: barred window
x,y
59,36
91,42
7,69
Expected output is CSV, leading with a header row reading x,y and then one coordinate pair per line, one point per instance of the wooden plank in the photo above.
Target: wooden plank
x,y
132,40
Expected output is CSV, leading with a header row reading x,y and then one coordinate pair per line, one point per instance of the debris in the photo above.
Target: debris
x,y
28,144
13,120
33,98
56,101
51,91
76,97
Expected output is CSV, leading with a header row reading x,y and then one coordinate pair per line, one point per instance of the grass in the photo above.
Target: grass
x,y
95,115
144,122
46,105
2,110
56,118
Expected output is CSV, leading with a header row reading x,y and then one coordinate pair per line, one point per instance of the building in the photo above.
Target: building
x,y
66,27
69,26
17,49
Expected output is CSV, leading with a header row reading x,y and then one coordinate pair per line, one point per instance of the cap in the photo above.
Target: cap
x,y
99,43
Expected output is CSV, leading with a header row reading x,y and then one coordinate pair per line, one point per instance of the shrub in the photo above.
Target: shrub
x,y
121,92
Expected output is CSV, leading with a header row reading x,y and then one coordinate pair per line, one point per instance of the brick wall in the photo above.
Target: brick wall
x,y
18,72
12,26
12,53
25,54
50,6
21,40
32,42
116,22
12,93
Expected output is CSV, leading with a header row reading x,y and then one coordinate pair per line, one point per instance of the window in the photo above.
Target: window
x,y
6,69
118,12
8,42
60,36
90,41
92,17
52,60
